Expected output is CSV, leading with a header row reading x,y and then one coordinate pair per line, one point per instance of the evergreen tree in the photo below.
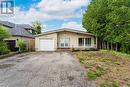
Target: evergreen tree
x,y
109,20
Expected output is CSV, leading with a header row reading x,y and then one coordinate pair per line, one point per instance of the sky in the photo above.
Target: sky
x,y
53,14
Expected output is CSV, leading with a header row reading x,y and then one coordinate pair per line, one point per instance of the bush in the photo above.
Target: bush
x,y
22,45
4,33
3,48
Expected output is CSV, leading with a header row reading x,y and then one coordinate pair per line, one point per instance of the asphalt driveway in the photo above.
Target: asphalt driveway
x,y
42,69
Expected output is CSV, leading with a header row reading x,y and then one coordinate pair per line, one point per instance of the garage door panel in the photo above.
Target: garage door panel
x,y
46,45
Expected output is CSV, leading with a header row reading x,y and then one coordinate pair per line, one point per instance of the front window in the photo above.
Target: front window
x,y
87,41
84,41
81,41
64,42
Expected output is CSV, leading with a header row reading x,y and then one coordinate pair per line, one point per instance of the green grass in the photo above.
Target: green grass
x,y
109,84
82,59
128,84
92,75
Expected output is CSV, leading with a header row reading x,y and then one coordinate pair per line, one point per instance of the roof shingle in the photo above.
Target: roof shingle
x,y
18,29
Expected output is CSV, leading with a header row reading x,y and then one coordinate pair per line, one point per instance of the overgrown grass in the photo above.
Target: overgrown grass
x,y
128,84
107,68
95,73
109,84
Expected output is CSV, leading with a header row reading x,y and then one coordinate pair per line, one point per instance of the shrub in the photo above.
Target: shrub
x,y
22,45
4,33
3,48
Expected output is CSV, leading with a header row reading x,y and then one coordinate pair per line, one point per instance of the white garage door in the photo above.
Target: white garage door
x,y
46,45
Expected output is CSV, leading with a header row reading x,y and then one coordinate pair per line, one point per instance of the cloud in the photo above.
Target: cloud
x,y
73,25
47,10
24,16
63,9
33,14
59,6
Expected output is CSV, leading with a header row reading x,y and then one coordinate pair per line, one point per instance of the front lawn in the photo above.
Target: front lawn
x,y
106,68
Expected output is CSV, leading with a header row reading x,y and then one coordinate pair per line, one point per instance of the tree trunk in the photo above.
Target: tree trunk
x,y
116,46
107,45
111,46
101,44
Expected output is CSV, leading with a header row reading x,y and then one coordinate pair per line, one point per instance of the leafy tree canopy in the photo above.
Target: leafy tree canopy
x,y
37,26
108,19
3,33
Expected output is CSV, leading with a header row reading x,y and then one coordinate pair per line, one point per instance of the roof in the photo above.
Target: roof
x,y
26,26
17,29
64,29
6,23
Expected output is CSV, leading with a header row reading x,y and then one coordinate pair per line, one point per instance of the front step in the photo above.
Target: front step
x,y
63,49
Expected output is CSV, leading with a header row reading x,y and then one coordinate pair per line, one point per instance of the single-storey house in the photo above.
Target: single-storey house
x,y
19,32
64,38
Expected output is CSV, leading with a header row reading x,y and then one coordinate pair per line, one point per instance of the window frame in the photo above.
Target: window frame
x,y
84,42
87,41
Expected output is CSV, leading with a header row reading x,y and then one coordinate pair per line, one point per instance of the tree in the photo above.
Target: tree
x,y
3,35
37,26
109,20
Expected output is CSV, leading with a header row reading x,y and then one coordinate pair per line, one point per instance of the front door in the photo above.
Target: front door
x,y
64,42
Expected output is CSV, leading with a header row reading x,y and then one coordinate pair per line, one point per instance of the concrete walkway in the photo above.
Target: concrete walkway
x,y
42,69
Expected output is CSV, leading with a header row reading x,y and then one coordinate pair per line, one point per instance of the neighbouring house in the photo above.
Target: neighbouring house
x,y
64,38
19,32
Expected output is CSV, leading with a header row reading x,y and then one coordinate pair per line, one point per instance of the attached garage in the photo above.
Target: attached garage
x,y
46,44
